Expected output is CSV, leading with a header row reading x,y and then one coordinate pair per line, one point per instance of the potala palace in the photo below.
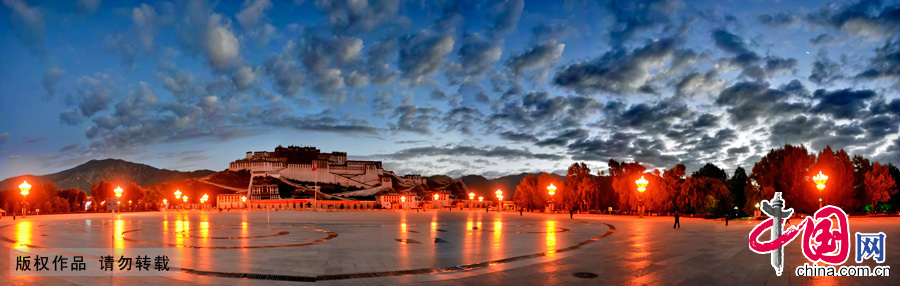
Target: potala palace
x,y
308,164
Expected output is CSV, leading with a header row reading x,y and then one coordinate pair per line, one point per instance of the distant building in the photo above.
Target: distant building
x,y
396,201
230,201
264,192
297,163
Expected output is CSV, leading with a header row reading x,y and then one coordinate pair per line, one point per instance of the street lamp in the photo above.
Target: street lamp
x,y
204,199
551,189
641,187
24,187
820,180
480,199
471,197
118,192
499,198
177,194
436,196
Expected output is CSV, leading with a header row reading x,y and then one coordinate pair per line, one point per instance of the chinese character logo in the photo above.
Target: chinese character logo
x,y
870,245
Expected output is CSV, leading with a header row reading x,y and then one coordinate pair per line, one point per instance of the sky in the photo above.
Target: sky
x,y
446,87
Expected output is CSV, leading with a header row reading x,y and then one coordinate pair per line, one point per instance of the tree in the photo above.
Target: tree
x,y
861,166
736,185
879,184
786,170
524,191
580,186
711,171
540,195
839,169
707,195
624,175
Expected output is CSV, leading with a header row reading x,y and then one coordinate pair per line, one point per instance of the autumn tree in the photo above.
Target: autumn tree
x,y
736,185
786,170
839,169
606,195
580,188
710,170
524,192
624,175
861,167
707,195
879,185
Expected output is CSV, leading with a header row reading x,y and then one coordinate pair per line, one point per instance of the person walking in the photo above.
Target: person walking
x,y
726,219
571,213
521,210
677,223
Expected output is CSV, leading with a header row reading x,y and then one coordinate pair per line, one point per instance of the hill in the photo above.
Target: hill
x,y
115,170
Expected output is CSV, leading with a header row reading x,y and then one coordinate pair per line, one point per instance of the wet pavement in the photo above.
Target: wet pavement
x,y
434,247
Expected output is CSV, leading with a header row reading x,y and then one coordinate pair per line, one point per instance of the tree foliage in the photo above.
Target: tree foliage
x,y
879,184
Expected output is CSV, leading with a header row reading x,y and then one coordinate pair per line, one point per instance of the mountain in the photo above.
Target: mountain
x,y
115,170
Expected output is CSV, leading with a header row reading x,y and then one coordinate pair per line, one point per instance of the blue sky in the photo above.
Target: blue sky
x,y
447,87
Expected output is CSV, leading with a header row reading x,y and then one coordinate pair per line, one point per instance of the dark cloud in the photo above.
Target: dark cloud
x,y
699,84
710,145
517,137
655,117
554,31
505,15
738,150
540,109
28,25
863,18
798,129
776,64
543,55
379,55
821,39
824,70
51,77
778,20
254,21
422,54
842,104
884,107
478,55
122,45
623,146
472,151
617,71
562,139
885,63
748,101
411,118
462,119
288,79
879,126
71,117
355,17
381,103
729,42
4,137
633,17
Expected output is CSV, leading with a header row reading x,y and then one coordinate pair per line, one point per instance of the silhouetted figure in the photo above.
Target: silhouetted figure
x,y
677,223
521,210
726,219
571,213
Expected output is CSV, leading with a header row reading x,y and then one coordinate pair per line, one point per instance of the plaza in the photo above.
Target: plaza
x,y
433,247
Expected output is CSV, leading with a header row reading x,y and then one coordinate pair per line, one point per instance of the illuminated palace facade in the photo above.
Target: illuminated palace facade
x,y
296,163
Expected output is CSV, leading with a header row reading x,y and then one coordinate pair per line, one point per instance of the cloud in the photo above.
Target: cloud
x,y
617,71
517,137
411,118
462,119
422,54
71,116
145,25
842,104
287,78
824,70
746,102
504,15
93,95
122,45
539,109
777,20
821,39
478,55
623,146
202,31
51,78
253,20
798,129
729,42
88,6
4,137
465,150
885,63
562,138
28,25
699,85
633,17
864,18
355,17
541,56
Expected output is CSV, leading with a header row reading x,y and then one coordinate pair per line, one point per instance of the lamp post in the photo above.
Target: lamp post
x,y
471,197
551,190
184,199
820,180
166,203
118,192
244,201
204,199
756,212
24,187
178,197
641,187
499,194
402,201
